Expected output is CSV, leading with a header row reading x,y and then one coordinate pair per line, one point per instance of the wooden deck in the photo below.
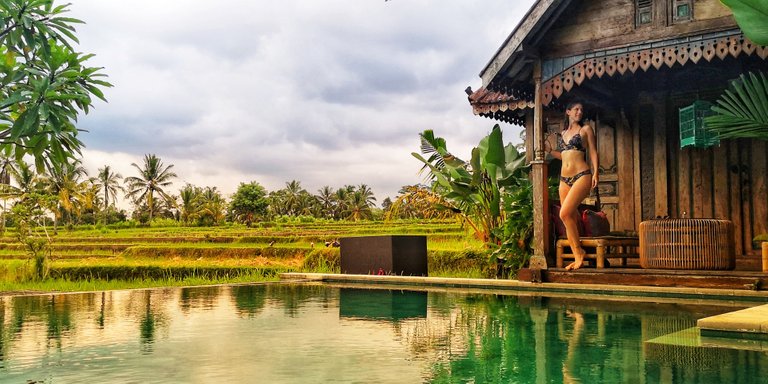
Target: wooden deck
x,y
746,276
746,280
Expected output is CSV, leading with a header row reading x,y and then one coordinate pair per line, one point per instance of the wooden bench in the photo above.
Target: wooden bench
x,y
601,248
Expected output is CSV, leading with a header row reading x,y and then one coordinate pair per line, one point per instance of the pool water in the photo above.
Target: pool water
x,y
313,333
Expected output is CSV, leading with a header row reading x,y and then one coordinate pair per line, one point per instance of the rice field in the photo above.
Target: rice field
x,y
104,258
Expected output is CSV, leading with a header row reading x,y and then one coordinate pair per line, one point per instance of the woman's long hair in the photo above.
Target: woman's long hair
x,y
568,107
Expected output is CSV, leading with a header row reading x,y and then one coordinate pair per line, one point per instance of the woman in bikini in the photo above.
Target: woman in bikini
x,y
577,179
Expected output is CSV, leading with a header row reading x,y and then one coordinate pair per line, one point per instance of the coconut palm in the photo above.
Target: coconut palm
x,y
189,204
293,191
326,200
66,184
109,183
367,193
358,208
213,207
6,168
153,178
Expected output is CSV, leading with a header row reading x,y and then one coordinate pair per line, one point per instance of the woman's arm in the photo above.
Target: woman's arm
x,y
548,149
593,156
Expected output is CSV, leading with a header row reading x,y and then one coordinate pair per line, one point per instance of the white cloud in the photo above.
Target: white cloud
x,y
327,93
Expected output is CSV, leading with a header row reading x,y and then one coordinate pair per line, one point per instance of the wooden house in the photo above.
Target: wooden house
x,y
634,64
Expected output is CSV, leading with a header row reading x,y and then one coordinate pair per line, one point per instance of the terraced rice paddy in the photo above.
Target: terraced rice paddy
x,y
228,254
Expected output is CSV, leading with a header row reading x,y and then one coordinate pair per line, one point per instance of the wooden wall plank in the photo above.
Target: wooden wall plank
x,y
708,204
684,194
697,175
720,181
734,180
661,189
636,167
626,182
607,147
746,197
760,186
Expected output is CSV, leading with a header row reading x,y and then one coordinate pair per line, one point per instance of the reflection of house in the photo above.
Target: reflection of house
x,y
634,64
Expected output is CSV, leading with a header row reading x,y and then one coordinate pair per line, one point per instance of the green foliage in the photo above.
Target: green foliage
x,y
153,178
742,111
517,230
249,203
143,272
474,188
29,214
453,262
751,15
45,84
323,259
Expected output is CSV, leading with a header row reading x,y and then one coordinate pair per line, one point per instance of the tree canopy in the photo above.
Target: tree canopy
x,y
44,82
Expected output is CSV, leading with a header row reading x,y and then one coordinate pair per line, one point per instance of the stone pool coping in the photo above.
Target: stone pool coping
x,y
749,323
515,285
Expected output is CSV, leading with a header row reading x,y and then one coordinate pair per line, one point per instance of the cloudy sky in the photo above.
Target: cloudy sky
x,y
330,92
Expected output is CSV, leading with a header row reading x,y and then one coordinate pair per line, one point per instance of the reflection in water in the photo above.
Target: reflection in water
x,y
382,304
284,333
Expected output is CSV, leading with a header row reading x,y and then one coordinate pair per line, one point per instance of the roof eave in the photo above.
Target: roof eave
x,y
512,48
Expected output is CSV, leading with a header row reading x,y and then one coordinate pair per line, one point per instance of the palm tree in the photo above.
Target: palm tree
x,y
342,197
326,200
153,177
358,207
6,168
189,206
367,194
213,205
109,183
65,183
293,192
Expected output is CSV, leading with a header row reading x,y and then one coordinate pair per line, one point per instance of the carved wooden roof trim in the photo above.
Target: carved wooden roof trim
x,y
653,56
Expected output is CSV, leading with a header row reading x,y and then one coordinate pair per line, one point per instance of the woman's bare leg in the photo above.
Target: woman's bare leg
x,y
570,198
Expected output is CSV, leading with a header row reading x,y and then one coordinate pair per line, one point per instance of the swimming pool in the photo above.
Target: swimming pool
x,y
312,333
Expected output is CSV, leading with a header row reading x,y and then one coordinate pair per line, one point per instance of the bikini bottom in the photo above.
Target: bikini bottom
x,y
570,180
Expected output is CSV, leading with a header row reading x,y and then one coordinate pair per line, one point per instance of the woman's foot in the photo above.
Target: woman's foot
x,y
578,262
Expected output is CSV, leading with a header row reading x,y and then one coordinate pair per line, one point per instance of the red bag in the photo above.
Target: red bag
x,y
593,221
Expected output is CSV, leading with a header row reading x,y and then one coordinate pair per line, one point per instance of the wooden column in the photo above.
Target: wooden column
x,y
539,180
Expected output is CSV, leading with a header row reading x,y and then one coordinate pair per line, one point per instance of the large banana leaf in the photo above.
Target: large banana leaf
x,y
742,112
752,18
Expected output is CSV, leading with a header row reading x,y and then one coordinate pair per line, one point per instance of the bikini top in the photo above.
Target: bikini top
x,y
574,143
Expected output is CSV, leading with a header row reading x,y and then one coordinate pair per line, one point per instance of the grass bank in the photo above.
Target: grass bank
x,y
89,258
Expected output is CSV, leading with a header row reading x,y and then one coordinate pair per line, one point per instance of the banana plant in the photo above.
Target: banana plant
x,y
742,112
473,188
751,15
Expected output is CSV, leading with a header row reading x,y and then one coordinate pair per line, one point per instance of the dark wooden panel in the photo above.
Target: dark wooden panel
x,y
661,207
746,195
684,194
720,181
760,186
734,180
625,161
647,177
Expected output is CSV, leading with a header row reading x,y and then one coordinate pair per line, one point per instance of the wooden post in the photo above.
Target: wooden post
x,y
539,180
765,256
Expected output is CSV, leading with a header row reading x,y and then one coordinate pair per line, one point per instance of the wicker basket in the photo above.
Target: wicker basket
x,y
687,244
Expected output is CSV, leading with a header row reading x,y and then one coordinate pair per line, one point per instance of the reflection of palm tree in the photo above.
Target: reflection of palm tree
x,y
153,177
147,330
249,299
573,343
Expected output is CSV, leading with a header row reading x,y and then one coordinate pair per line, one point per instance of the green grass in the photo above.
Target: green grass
x,y
178,256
